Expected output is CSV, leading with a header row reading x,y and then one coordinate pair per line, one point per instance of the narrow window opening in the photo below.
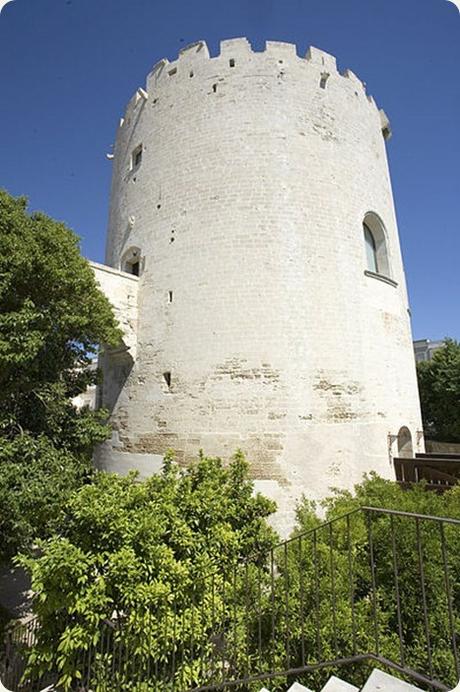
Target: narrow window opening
x,y
371,250
170,296
386,133
377,256
135,268
191,74
323,80
136,157
172,72
167,378
231,62
158,206
214,88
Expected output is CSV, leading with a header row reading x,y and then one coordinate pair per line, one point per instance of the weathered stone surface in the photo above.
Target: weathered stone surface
x,y
246,209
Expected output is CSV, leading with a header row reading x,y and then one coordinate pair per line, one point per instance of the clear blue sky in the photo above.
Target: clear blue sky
x,y
68,67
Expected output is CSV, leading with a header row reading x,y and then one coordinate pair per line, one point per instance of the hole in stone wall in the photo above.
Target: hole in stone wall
x,y
323,80
214,88
231,62
167,378
170,296
172,72
158,206
191,73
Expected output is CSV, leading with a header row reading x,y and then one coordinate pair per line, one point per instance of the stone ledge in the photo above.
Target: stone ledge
x,y
112,270
381,277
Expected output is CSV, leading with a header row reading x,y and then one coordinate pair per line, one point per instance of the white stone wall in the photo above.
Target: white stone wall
x,y
248,206
122,291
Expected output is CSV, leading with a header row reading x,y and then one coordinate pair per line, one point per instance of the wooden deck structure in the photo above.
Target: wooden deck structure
x,y
439,471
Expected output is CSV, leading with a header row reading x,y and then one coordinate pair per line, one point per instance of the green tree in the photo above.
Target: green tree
x,y
52,319
126,572
439,386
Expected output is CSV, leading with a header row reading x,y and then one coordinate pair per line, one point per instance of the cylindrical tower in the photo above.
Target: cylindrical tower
x,y
252,196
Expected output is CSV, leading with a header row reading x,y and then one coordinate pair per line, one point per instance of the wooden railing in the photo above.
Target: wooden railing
x,y
439,471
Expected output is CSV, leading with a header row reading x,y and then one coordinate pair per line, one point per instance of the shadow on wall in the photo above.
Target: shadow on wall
x,y
116,366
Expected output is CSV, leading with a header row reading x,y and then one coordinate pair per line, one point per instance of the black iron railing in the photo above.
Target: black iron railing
x,y
373,587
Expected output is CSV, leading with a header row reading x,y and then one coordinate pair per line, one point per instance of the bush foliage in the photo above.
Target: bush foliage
x,y
177,582
133,553
368,561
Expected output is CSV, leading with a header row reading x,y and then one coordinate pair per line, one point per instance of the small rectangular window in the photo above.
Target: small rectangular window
x,y
170,296
231,62
167,378
172,72
136,157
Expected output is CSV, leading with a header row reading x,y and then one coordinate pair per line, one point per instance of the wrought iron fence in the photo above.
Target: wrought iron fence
x,y
372,587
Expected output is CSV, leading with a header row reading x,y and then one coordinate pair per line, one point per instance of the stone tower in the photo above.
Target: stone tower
x,y
254,259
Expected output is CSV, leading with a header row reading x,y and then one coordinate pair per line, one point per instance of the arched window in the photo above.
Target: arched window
x,y
405,443
131,262
371,250
375,242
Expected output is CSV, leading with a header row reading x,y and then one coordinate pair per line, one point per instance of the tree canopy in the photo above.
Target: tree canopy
x,y
439,386
53,318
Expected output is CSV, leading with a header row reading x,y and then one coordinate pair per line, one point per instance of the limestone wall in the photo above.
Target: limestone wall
x,y
246,206
122,291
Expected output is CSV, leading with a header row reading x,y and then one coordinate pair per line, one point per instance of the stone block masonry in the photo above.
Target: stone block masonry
x,y
240,187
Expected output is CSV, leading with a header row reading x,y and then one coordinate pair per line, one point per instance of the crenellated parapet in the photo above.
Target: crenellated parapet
x,y
235,57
